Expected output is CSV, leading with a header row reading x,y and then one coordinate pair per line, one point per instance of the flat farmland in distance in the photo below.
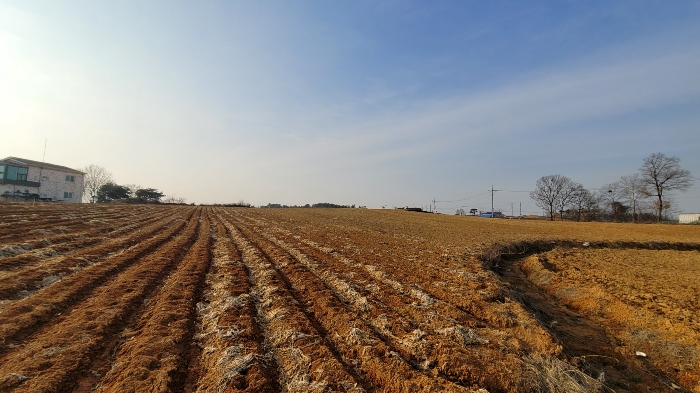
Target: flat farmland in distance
x,y
117,298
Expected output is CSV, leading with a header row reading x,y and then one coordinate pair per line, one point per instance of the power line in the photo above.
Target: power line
x,y
467,198
478,195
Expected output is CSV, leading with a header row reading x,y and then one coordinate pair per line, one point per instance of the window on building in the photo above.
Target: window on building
x,y
70,178
15,173
67,195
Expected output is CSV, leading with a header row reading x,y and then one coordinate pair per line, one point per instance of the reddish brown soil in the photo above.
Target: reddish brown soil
x,y
170,298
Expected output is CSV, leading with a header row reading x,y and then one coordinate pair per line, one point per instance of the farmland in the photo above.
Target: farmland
x,y
180,298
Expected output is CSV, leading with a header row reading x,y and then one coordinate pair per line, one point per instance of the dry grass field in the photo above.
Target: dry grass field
x,y
177,298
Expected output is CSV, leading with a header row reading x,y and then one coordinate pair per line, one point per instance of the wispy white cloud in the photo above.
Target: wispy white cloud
x,y
557,99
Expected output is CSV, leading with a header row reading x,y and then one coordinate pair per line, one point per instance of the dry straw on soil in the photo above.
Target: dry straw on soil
x,y
116,297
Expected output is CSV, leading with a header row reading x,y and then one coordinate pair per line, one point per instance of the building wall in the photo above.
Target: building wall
x,y
54,184
687,218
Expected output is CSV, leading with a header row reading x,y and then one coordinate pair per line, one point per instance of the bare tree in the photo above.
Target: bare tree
x,y
95,177
567,196
133,188
659,174
612,195
174,199
582,201
633,191
552,192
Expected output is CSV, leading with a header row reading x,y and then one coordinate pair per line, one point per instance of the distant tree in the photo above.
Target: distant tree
x,y
328,205
620,211
111,191
566,197
150,195
633,192
95,177
133,188
611,196
663,174
243,203
553,192
666,205
174,199
582,201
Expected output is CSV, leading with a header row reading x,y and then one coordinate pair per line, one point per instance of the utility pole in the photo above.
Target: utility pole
x,y
511,209
492,191
521,209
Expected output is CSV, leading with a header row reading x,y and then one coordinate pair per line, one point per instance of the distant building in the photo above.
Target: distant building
x,y
687,218
26,180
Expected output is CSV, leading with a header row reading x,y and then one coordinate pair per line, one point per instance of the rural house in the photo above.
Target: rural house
x,y
26,180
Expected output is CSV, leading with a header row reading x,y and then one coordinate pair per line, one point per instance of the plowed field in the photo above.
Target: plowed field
x,y
115,298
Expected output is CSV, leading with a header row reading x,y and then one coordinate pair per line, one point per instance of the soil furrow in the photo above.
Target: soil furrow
x,y
416,330
116,297
19,319
154,358
331,315
39,250
231,357
480,295
21,282
304,359
24,229
51,360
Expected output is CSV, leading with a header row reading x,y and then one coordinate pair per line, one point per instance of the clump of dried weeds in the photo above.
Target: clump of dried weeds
x,y
548,374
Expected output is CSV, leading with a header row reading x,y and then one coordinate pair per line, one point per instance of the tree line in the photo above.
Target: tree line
x,y
100,187
642,196
315,205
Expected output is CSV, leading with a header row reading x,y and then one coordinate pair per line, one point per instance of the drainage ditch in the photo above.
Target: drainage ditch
x,y
586,342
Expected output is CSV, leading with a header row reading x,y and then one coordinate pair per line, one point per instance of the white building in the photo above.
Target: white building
x,y
26,180
687,218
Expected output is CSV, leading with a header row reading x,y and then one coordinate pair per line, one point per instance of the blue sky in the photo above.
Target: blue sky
x,y
371,103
